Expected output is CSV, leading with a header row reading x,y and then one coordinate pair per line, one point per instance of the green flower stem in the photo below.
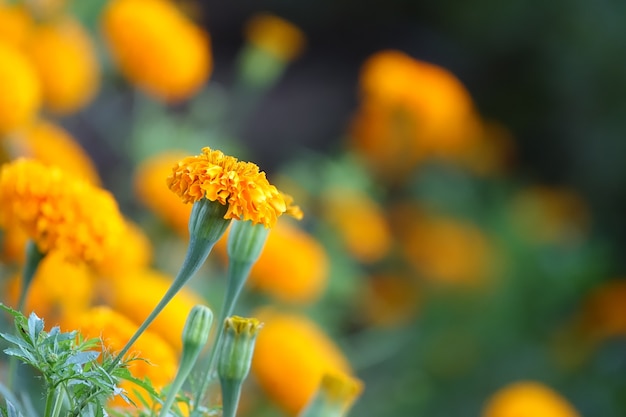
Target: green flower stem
x,y
197,253
33,259
186,365
58,403
231,391
237,275
49,400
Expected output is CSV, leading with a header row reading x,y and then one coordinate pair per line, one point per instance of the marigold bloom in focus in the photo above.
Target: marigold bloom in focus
x,y
238,185
65,59
528,399
59,288
115,330
53,145
274,35
550,215
150,190
135,293
21,90
157,47
360,222
411,110
292,354
58,211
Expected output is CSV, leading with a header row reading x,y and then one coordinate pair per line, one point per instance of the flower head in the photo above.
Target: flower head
x,y
276,36
238,185
528,398
58,211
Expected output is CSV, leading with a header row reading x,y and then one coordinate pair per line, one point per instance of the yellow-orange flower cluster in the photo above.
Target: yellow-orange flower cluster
x,y
528,399
157,47
58,211
274,35
238,185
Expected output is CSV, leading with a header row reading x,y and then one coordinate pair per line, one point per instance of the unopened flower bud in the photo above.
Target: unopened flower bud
x,y
246,241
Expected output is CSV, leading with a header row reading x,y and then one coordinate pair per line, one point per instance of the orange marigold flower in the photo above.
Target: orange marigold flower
x,y
274,35
65,59
602,314
148,185
291,356
21,90
360,222
134,254
59,288
15,24
135,293
528,398
51,144
115,330
238,185
58,211
157,47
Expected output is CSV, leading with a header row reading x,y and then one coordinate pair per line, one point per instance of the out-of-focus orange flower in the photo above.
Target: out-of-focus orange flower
x,y
603,315
275,36
360,222
13,242
550,215
151,190
134,253
389,300
292,354
21,89
66,63
59,288
411,110
157,47
292,268
58,211
15,24
236,184
528,399
136,293
447,250
53,145
115,330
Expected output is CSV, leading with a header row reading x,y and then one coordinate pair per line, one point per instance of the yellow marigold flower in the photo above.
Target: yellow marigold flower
x,y
446,250
550,215
151,192
51,144
115,330
291,356
135,293
238,185
13,242
411,110
274,35
21,91
65,59
528,399
15,24
59,288
360,222
293,266
134,254
58,211
157,47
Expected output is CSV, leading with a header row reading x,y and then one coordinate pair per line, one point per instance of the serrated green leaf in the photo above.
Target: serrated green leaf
x,y
81,358
15,340
35,326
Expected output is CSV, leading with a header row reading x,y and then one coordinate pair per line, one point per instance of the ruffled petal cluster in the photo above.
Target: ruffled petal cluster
x,y
58,211
238,185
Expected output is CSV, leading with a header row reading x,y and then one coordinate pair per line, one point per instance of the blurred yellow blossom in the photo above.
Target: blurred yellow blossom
x,y
411,110
157,47
58,211
60,288
115,330
293,266
602,315
238,185
291,356
149,186
51,144
275,35
15,24
21,89
359,221
134,254
135,293
66,63
528,399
